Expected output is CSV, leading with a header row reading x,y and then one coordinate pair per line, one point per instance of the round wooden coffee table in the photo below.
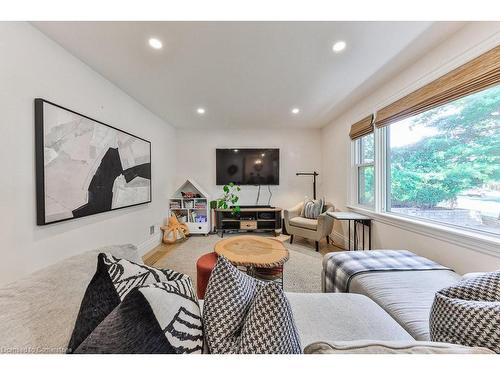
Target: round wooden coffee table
x,y
262,257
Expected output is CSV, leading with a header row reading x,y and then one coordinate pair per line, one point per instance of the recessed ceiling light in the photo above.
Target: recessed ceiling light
x,y
339,46
295,111
155,43
200,111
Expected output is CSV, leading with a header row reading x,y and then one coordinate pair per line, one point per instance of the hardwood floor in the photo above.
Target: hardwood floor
x,y
159,252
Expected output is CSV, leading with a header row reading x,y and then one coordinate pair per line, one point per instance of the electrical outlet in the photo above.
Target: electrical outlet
x,y
152,229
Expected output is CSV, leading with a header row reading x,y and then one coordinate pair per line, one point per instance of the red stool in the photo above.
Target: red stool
x,y
204,267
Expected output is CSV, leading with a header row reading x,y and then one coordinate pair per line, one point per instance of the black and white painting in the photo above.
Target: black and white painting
x,y
85,167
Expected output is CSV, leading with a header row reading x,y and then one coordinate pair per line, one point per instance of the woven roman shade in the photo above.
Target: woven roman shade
x,y
474,76
361,128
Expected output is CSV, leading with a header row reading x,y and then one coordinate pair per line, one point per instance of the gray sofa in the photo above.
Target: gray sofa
x,y
407,296
38,312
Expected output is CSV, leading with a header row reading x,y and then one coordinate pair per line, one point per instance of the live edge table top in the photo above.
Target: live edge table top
x,y
253,251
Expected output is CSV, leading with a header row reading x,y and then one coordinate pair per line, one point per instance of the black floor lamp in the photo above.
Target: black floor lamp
x,y
314,174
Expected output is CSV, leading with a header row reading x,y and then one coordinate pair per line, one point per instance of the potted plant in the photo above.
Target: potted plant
x,y
228,200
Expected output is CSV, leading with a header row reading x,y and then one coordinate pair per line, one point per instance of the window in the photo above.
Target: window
x,y
436,154
444,164
365,156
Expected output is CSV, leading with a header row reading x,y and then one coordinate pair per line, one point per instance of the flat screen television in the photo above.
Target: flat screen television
x,y
248,166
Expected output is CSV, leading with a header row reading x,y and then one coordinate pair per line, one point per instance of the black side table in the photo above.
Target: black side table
x,y
356,219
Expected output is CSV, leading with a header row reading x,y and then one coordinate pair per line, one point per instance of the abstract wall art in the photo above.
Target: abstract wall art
x,y
85,167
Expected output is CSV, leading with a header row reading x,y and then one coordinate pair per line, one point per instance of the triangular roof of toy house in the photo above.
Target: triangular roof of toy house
x,y
191,185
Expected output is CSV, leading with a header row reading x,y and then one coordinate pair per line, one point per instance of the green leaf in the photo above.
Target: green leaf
x,y
226,189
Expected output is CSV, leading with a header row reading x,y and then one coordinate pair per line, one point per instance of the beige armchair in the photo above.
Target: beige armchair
x,y
313,229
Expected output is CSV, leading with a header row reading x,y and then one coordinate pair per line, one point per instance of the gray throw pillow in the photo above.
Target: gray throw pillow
x,y
112,281
157,318
468,313
269,325
312,208
227,300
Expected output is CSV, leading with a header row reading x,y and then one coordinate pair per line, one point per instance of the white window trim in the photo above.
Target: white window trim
x,y
357,165
464,238
380,143
473,240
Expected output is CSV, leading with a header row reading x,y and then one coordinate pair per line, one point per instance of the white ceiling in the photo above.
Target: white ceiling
x,y
247,74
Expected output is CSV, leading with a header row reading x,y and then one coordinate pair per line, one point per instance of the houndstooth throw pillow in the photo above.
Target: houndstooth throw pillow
x,y
269,326
227,299
469,313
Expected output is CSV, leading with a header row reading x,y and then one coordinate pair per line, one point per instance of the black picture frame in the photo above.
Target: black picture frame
x,y
40,169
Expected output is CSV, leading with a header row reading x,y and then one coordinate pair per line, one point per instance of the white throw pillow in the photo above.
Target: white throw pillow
x,y
312,208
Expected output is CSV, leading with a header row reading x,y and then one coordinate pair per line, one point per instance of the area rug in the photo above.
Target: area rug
x,y
302,272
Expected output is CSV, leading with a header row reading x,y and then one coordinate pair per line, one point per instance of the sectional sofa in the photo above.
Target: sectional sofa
x,y
39,311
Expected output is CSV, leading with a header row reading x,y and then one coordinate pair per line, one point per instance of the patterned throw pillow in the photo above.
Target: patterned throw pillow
x,y
157,318
312,208
468,313
269,326
113,279
227,299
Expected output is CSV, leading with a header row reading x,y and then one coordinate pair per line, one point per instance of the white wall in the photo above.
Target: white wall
x,y
299,151
31,65
469,42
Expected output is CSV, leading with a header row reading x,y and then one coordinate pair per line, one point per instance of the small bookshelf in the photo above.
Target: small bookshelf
x,y
190,203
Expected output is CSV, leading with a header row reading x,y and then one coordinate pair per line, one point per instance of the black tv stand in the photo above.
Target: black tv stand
x,y
249,219
257,206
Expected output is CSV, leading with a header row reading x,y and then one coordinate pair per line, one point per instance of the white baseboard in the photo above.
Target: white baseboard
x,y
149,244
340,240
